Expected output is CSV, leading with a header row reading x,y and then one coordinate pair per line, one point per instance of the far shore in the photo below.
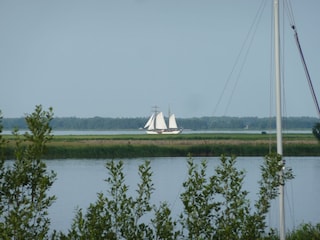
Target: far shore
x,y
197,144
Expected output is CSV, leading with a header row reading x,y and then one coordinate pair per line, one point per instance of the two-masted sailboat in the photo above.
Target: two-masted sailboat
x,y
157,124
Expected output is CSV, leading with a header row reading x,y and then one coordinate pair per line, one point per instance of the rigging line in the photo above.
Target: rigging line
x,y
252,35
288,7
283,77
244,59
290,14
238,57
290,204
315,100
271,80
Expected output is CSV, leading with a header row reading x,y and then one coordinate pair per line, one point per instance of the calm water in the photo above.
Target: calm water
x,y
80,180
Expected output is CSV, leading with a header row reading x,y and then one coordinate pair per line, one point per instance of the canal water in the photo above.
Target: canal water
x,y
79,181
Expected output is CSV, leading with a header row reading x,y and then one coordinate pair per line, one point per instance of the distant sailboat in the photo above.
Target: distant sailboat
x,y
156,124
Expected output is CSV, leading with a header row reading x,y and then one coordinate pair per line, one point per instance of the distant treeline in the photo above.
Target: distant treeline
x,y
202,123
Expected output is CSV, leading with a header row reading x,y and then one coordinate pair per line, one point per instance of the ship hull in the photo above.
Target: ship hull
x,y
166,132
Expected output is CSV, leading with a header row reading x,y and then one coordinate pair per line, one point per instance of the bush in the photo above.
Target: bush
x,y
23,186
305,231
215,207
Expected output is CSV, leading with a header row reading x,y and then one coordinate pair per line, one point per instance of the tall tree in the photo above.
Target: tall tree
x,y
24,185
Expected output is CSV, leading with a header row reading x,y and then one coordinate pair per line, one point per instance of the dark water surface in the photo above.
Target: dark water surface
x,y
79,181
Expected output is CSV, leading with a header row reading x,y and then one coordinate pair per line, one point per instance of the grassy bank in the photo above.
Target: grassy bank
x,y
132,146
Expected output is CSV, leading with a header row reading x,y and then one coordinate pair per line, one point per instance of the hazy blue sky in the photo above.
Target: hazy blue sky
x,y
118,58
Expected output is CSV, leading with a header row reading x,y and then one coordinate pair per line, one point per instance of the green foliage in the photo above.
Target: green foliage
x,y
215,207
120,216
197,220
131,146
117,215
164,225
235,207
218,208
136,151
271,180
316,131
2,141
24,185
305,231
2,173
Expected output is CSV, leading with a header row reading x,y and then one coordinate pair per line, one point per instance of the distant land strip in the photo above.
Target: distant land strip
x,y
197,145
196,123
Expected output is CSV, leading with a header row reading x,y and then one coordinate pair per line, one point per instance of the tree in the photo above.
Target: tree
x,y
2,152
316,131
164,225
23,185
198,220
217,207
117,215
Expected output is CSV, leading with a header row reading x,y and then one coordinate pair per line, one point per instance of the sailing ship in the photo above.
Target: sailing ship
x,y
156,124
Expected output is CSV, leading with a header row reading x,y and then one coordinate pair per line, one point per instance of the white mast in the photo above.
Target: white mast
x,y
279,112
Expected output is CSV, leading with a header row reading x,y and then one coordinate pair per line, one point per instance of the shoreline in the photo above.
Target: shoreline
x,y
197,145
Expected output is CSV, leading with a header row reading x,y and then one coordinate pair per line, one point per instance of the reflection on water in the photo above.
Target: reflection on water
x,y
80,180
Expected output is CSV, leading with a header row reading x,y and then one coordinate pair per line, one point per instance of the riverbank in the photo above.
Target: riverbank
x,y
204,144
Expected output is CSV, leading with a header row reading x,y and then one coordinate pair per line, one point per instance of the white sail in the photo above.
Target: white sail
x,y
160,122
152,124
149,122
172,122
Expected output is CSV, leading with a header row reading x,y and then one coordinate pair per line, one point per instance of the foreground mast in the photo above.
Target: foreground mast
x,y
279,112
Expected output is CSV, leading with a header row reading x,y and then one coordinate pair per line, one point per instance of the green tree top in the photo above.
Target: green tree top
x,y
24,185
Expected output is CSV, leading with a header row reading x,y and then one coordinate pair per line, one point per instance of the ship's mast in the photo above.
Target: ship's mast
x,y
155,107
279,113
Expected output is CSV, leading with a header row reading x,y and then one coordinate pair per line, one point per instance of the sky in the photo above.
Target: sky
x,y
119,58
